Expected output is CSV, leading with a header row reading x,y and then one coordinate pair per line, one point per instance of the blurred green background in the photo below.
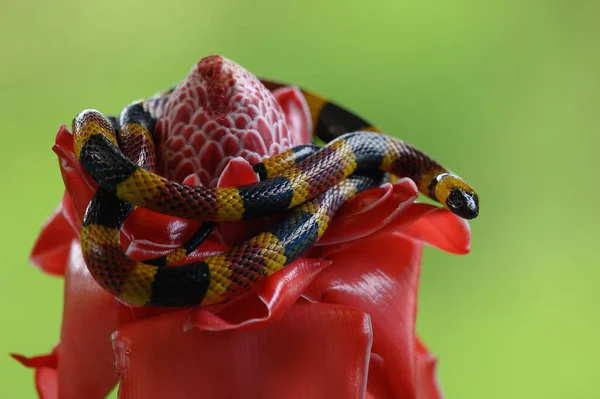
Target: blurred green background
x,y
504,92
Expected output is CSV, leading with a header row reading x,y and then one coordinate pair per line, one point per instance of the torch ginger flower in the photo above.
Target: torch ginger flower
x,y
336,323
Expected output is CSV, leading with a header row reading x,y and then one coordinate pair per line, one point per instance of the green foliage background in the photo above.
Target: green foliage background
x,y
504,92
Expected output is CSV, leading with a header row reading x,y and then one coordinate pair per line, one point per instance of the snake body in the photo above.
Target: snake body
x,y
308,184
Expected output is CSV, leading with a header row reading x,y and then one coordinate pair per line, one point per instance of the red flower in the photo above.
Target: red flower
x,y
337,323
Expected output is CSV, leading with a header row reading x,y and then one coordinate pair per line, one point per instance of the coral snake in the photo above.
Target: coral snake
x,y
307,182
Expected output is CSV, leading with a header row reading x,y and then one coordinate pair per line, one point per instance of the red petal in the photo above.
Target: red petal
x,y
379,386
316,351
380,276
370,211
268,302
237,172
297,114
442,229
152,230
46,381
427,385
70,213
77,182
51,250
208,248
49,360
434,226
86,366
192,180
64,139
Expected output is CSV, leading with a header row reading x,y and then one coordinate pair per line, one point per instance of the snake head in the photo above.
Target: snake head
x,y
457,196
463,203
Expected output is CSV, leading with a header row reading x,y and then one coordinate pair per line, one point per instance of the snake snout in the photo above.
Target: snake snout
x,y
463,203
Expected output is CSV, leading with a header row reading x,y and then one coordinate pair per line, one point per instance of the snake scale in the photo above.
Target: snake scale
x,y
306,183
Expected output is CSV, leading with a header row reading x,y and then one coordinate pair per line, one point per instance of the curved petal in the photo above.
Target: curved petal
x,y
380,276
46,383
160,232
86,361
70,213
268,301
370,211
432,225
297,114
316,350
427,384
51,250
193,180
150,251
78,183
50,360
237,172
441,229
46,375
64,140
379,387
79,190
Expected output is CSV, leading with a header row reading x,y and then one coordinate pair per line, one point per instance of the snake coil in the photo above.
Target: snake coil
x,y
308,183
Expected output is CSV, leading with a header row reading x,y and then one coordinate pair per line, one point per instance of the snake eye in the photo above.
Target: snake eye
x,y
463,204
